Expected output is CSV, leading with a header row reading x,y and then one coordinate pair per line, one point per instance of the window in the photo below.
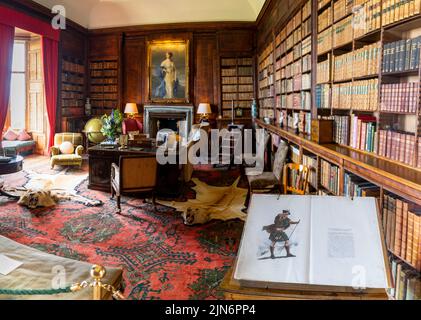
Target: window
x,y
18,86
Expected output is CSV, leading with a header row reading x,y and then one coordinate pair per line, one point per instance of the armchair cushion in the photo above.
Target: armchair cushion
x,y
55,151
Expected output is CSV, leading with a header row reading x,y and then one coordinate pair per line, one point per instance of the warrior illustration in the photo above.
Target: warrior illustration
x,y
277,232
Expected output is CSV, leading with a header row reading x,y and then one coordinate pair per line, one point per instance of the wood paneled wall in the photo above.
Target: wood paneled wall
x,y
207,43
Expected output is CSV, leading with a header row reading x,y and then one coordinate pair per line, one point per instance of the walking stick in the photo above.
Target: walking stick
x,y
289,237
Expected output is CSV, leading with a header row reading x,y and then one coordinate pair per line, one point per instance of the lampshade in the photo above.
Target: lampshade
x,y
131,108
204,108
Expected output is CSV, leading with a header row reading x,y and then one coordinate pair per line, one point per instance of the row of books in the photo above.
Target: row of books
x,y
104,73
407,281
266,54
341,129
294,153
298,100
310,162
103,65
358,63
402,55
341,8
363,133
299,82
322,96
73,67
399,146
367,16
73,79
402,225
104,96
325,19
419,153
71,95
104,81
329,176
400,97
239,88
111,88
324,41
395,10
228,72
355,186
238,61
342,32
323,71
304,122
71,87
358,95
306,11
72,103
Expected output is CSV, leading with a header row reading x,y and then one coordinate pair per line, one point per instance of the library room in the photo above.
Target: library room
x,y
216,151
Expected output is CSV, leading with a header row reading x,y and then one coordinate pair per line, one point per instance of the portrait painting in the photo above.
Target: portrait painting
x,y
168,71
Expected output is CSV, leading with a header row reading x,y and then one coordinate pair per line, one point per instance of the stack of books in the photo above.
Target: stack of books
x,y
402,55
323,71
329,176
400,97
341,129
354,186
407,281
402,225
310,161
399,146
399,9
363,133
322,96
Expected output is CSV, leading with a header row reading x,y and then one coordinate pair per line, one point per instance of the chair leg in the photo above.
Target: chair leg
x,y
154,201
118,203
247,202
112,193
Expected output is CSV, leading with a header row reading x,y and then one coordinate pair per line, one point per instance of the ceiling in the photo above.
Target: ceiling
x,y
95,14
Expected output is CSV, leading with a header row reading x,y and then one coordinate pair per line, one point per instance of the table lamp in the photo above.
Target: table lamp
x,y
131,110
204,110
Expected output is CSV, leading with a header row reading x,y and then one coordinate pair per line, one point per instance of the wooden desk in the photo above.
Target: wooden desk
x,y
234,291
101,158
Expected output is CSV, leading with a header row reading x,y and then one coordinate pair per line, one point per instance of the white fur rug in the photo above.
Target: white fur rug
x,y
219,203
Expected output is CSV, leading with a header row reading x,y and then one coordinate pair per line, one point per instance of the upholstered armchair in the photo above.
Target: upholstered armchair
x,y
131,125
134,174
68,159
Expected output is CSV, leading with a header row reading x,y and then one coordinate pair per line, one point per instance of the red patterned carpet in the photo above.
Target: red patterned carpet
x,y
161,257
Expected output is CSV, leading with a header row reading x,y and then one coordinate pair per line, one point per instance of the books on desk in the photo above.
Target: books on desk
x,y
327,249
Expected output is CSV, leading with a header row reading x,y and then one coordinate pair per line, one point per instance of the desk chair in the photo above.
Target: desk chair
x,y
134,174
295,178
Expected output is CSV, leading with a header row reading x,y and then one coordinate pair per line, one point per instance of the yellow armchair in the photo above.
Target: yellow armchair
x,y
74,159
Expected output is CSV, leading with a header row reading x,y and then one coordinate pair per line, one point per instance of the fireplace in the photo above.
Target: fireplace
x,y
167,117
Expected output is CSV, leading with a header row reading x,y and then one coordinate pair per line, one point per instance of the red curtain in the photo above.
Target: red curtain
x,y
50,62
7,35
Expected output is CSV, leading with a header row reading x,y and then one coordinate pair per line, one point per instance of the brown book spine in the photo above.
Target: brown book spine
x,y
398,227
416,245
404,230
410,235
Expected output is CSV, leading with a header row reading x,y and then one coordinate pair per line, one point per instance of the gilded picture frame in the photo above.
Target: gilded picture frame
x,y
168,71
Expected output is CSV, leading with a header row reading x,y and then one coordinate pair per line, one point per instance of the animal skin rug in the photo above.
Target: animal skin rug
x,y
211,203
45,190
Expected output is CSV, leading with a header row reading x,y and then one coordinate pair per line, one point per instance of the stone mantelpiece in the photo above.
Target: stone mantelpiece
x,y
152,114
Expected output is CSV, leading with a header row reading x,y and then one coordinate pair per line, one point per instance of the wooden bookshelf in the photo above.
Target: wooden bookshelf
x,y
104,85
73,82
237,87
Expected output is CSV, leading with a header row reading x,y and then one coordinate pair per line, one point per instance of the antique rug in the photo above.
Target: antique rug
x,y
161,257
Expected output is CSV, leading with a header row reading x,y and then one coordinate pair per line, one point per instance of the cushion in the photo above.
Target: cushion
x,y
263,181
67,147
10,135
24,136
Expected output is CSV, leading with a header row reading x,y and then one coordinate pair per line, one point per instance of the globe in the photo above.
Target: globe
x,y
93,130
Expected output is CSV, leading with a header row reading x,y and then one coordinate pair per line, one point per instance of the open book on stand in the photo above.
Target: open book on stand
x,y
313,243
